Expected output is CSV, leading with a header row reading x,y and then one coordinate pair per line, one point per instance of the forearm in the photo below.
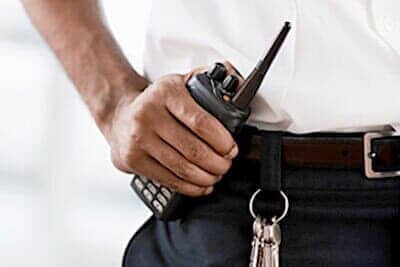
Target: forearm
x,y
76,33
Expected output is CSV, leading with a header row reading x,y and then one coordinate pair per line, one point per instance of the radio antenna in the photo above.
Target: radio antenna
x,y
250,87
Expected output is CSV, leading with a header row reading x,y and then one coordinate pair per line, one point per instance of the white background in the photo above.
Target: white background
x,y
61,201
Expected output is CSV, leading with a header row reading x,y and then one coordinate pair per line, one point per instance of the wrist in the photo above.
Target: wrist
x,y
120,94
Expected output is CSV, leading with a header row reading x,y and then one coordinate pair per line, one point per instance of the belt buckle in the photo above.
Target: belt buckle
x,y
369,155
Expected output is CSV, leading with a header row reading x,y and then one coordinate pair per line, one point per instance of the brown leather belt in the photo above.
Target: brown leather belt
x,y
376,153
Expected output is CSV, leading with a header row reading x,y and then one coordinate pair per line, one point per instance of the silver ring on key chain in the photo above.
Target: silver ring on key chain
x,y
284,213
266,236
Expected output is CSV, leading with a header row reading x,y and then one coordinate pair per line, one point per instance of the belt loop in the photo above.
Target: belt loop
x,y
271,162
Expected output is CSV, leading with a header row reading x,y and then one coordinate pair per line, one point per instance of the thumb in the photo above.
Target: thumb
x,y
193,72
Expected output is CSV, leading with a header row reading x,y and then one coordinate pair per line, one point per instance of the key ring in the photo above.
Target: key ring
x,y
285,198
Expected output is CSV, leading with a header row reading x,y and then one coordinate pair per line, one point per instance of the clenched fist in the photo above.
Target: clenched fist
x,y
163,134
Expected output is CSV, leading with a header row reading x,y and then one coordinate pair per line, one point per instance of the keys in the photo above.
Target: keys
x,y
265,244
256,256
272,240
266,236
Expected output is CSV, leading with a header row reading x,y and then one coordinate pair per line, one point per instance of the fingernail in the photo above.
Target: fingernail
x,y
209,190
233,153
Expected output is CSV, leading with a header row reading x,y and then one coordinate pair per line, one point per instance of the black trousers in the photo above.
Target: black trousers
x,y
336,218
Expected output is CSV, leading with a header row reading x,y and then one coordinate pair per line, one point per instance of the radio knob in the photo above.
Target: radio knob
x,y
217,72
229,84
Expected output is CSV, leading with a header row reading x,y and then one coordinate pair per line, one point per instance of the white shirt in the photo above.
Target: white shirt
x,y
339,69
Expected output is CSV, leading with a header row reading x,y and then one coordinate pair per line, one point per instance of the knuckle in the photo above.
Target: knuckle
x,y
182,110
131,154
164,89
196,152
118,163
131,158
175,185
198,122
169,85
181,168
137,138
176,80
139,114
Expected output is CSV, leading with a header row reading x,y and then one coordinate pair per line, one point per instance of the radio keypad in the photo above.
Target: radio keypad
x,y
162,199
152,188
166,192
157,205
154,193
147,195
139,184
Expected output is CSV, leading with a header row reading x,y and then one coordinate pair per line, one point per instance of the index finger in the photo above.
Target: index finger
x,y
185,109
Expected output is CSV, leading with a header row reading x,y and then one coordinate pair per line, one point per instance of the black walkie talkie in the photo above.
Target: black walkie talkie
x,y
215,91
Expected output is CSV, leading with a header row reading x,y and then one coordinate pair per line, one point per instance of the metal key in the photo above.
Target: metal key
x,y
256,257
271,242
266,236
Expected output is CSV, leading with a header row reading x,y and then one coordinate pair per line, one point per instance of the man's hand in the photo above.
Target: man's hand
x,y
165,135
159,132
